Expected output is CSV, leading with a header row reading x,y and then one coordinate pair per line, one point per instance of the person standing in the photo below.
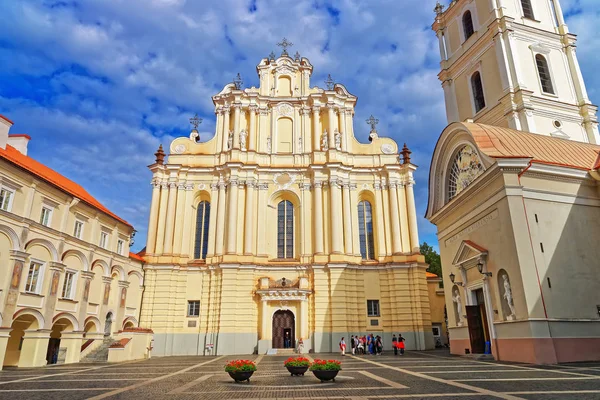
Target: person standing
x,y
343,346
401,344
286,341
395,344
352,343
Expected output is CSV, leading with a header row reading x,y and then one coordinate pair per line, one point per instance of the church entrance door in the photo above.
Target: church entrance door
x,y
477,320
283,322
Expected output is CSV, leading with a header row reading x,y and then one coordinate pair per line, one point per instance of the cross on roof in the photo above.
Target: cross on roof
x,y
285,44
238,81
373,122
196,121
329,82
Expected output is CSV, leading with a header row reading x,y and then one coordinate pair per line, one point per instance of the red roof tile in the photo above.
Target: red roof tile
x,y
136,257
597,165
431,275
54,178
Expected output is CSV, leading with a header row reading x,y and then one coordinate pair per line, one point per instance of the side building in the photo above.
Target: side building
x,y
67,278
283,225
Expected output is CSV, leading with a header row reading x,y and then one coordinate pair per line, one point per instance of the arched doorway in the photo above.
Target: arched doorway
x,y
283,323
108,324
25,322
55,354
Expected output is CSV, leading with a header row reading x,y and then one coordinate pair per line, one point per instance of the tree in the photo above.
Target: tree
x,y
432,258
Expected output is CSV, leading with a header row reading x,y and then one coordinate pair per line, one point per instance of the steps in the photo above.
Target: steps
x,y
286,352
100,354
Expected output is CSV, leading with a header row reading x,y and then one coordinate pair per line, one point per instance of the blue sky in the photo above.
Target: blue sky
x,y
99,84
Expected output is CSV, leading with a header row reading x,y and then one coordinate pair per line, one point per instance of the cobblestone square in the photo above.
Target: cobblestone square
x,y
416,375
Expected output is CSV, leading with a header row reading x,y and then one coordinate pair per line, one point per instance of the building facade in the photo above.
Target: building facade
x,y
514,190
67,279
283,225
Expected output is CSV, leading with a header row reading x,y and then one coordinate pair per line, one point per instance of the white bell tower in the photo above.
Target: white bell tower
x,y
513,63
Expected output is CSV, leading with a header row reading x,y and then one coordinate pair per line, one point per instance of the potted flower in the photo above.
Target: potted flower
x,y
326,370
297,365
240,370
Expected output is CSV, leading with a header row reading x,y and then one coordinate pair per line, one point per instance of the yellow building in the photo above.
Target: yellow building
x,y
283,224
67,279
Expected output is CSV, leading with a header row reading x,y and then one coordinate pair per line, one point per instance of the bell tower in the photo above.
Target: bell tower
x,y
512,63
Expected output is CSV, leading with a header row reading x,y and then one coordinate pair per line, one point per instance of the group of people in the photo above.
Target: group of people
x,y
372,344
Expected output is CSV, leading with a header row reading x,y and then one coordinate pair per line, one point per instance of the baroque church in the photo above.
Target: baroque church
x,y
514,185
283,225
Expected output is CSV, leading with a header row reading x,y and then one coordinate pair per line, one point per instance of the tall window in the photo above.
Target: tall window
x,y
365,230
67,290
6,197
78,231
373,308
46,216
103,239
120,247
193,308
202,219
467,21
527,9
31,285
478,97
285,230
544,72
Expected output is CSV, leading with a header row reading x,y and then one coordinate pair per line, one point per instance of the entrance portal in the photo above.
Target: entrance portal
x,y
283,322
108,324
478,327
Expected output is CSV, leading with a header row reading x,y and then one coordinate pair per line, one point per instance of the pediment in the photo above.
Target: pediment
x,y
468,252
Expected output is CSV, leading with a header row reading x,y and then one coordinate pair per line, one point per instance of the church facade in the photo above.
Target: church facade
x,y
283,225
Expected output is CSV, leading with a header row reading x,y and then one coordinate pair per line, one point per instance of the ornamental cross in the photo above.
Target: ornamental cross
x,y
329,82
285,44
373,122
238,82
196,121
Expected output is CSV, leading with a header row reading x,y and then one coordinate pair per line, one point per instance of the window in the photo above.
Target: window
x,y
285,230
103,239
365,231
78,231
553,11
120,247
527,9
67,290
465,168
46,216
467,21
202,222
436,331
478,97
6,197
31,285
544,73
373,308
193,308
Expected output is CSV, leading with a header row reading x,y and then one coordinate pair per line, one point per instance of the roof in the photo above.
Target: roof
x,y
597,165
19,135
475,246
431,275
6,119
500,142
136,257
38,169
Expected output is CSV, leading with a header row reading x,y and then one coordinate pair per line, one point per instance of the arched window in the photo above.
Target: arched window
x,y
467,21
527,9
465,168
202,219
544,72
285,230
477,87
365,231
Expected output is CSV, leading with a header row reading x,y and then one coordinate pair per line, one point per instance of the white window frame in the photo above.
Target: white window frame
x,y
461,29
10,200
72,291
189,303
80,236
532,10
120,246
544,52
470,87
50,212
40,276
378,314
104,238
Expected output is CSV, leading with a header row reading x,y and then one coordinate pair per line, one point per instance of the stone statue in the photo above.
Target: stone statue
x,y
230,140
300,146
324,142
338,140
456,299
268,145
194,136
243,135
508,295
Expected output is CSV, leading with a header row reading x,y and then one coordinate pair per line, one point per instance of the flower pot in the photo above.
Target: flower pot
x,y
241,376
324,376
297,370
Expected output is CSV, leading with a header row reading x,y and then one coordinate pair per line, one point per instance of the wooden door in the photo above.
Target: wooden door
x,y
282,320
475,329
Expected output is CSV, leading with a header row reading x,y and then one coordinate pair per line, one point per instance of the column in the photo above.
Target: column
x,y
4,336
17,260
354,216
318,214
34,348
316,131
331,129
236,125
220,239
348,239
343,131
379,224
451,104
212,223
55,270
412,217
72,341
252,129
304,323
179,219
249,217
395,217
170,218
261,221
440,36
162,219
151,240
219,128
304,218
188,221
87,277
120,306
337,234
306,137
232,210
401,193
226,127
262,129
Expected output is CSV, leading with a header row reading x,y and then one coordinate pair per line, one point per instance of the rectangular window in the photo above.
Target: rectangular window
x,y
46,216
78,232
68,285
527,9
103,239
193,308
31,285
120,247
6,197
436,331
373,308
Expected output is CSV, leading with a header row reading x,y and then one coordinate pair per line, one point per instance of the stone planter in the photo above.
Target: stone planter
x,y
324,376
241,376
297,371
